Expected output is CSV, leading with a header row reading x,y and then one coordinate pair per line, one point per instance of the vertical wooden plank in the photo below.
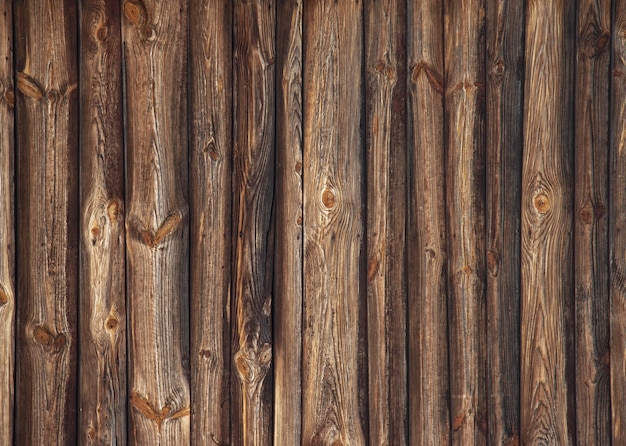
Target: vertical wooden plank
x,y
7,232
156,226
102,308
386,146
333,225
210,95
288,253
47,221
591,268
505,104
547,307
429,412
465,177
253,186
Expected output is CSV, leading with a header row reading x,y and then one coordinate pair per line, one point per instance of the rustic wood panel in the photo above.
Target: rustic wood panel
x,y
157,236
288,288
547,387
102,302
47,222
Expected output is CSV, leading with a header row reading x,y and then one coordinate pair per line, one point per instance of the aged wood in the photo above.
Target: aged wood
x,y
546,268
156,224
47,222
210,95
288,288
253,186
591,267
7,230
333,225
465,202
102,303
504,70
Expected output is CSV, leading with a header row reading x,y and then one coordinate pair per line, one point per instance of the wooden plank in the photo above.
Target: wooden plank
x,y
210,95
102,308
157,241
333,225
429,412
505,104
591,267
386,153
288,288
7,230
47,221
465,176
547,364
253,186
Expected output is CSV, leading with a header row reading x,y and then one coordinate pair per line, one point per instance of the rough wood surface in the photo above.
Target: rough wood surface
x,y
210,95
288,252
546,268
333,225
591,267
505,103
47,221
102,302
253,189
7,230
465,203
157,220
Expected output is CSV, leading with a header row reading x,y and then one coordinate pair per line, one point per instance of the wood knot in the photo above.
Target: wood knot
x,y
298,167
111,323
113,209
467,269
9,97
542,203
29,86
133,13
493,262
48,340
4,298
328,198
602,40
299,220
373,265
586,215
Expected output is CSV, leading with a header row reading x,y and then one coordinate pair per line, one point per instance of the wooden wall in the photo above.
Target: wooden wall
x,y
317,222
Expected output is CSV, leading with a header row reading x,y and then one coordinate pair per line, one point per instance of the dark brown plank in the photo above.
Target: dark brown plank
x,y
547,307
385,64
102,303
47,221
157,236
591,267
333,225
253,188
288,286
505,105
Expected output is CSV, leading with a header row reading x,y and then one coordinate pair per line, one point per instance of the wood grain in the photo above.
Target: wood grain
x,y
591,267
253,188
288,288
47,221
7,229
333,225
547,387
505,104
156,225
465,203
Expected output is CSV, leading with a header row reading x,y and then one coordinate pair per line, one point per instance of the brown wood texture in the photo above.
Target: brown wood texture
x,y
288,287
547,387
102,302
464,86
157,220
504,71
591,266
210,102
7,229
47,222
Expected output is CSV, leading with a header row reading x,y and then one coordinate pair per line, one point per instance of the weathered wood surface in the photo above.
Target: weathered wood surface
x,y
591,266
464,85
7,230
288,287
157,220
210,96
253,189
47,216
102,302
333,225
547,386
504,71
